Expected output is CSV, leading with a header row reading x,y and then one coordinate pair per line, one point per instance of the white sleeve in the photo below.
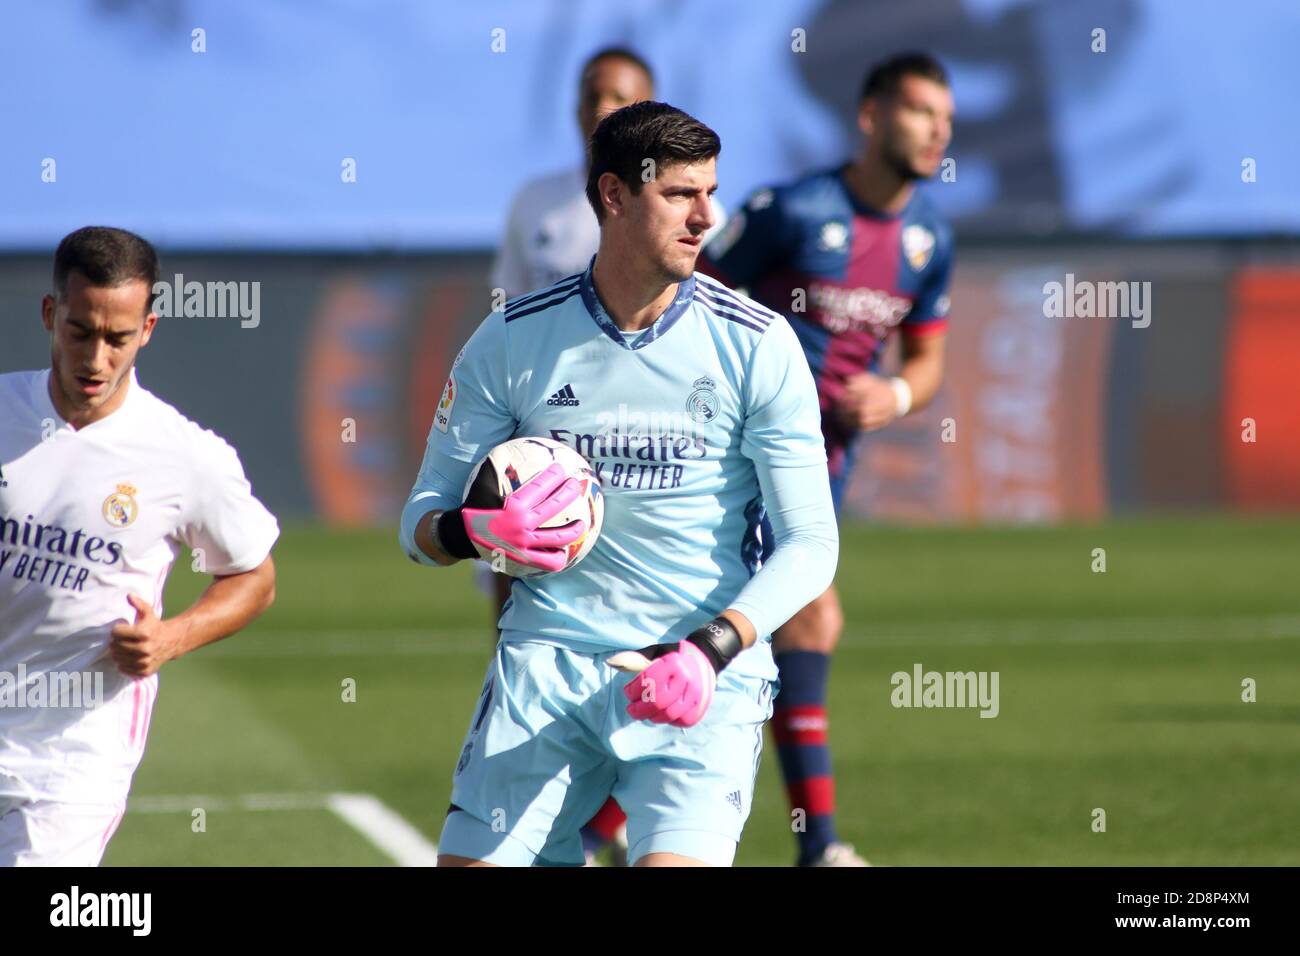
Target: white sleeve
x,y
232,529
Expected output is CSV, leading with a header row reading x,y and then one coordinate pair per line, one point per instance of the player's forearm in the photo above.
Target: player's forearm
x,y
743,625
802,565
801,568
228,605
426,539
922,369
418,531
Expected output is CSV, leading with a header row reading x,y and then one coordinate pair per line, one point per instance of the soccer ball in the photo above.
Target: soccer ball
x,y
512,463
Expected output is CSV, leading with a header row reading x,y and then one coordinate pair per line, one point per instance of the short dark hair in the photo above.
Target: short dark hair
x,y
627,137
883,78
618,53
107,257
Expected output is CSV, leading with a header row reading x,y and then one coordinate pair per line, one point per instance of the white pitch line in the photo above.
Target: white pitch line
x,y
381,826
385,828
184,803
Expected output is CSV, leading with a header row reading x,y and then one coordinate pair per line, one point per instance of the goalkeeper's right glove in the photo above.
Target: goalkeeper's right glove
x,y
515,529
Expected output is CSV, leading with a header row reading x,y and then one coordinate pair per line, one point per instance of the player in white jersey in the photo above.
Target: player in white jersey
x,y
551,231
696,408
102,486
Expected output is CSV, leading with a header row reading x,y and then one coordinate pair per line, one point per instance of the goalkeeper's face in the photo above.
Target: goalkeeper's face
x,y
667,220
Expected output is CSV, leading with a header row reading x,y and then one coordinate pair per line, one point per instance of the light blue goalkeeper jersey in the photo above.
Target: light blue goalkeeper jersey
x,y
692,425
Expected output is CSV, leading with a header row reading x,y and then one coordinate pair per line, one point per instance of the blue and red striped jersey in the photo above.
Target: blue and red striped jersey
x,y
844,274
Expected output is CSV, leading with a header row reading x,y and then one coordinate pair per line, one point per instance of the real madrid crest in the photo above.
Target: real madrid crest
x,y
702,405
120,508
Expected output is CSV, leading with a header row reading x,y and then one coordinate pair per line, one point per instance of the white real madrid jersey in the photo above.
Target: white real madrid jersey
x,y
693,426
87,516
552,232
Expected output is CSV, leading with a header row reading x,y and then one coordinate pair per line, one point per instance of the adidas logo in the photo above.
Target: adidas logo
x,y
733,798
564,396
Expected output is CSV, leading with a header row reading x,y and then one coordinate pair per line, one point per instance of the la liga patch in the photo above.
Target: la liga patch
x,y
442,414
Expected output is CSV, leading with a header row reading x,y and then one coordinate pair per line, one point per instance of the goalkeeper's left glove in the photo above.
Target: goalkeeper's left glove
x,y
677,682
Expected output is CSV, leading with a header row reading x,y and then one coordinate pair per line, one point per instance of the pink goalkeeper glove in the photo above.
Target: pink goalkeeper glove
x,y
676,688
515,528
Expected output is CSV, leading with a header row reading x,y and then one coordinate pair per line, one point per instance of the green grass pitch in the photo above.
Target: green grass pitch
x,y
1119,690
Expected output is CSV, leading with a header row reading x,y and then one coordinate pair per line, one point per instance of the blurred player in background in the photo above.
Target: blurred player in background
x,y
695,406
848,255
102,485
552,233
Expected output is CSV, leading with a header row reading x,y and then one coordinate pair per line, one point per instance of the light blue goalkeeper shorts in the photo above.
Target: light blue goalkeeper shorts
x,y
551,740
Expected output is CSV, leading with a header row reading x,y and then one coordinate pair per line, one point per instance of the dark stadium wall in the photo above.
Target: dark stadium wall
x,y
1163,448
329,397
377,355
1015,434
238,381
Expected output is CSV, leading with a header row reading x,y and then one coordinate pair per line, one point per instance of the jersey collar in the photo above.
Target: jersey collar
x,y
682,301
871,212
43,401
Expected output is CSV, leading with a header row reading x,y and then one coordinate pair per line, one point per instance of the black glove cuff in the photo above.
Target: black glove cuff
x,y
452,537
719,640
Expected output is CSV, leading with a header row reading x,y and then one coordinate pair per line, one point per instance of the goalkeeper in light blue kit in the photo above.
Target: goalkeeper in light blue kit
x,y
696,408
